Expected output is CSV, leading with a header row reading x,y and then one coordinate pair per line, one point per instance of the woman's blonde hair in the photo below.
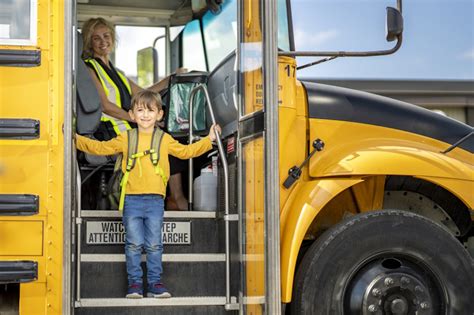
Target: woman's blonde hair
x,y
88,29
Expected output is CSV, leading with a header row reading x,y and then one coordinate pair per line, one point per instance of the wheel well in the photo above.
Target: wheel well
x,y
458,212
349,202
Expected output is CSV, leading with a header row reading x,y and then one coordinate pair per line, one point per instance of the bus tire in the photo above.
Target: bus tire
x,y
385,262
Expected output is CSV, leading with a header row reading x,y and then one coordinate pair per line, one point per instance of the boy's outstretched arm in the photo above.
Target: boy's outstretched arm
x,y
192,150
96,147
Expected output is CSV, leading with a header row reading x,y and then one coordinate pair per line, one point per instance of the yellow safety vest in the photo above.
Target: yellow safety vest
x,y
112,93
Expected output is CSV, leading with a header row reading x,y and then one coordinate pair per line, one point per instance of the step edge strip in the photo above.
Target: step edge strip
x,y
166,257
167,214
173,301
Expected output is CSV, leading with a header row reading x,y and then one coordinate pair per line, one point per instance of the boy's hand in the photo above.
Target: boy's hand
x,y
212,132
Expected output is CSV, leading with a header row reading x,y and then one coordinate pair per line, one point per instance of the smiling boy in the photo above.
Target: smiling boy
x,y
145,190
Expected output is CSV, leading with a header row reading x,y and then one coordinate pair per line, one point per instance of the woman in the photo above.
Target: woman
x,y
116,91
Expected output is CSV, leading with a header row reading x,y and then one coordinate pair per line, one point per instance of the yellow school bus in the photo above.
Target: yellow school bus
x,y
328,200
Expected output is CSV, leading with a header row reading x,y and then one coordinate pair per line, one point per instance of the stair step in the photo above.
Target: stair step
x,y
190,278
167,214
165,258
173,301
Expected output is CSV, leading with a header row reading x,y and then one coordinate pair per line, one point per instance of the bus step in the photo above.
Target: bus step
x,y
190,278
167,214
173,301
174,305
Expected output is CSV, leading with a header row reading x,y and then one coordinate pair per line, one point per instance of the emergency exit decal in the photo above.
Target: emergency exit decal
x,y
113,232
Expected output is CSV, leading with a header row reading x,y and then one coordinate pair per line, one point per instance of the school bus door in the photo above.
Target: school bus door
x,y
258,164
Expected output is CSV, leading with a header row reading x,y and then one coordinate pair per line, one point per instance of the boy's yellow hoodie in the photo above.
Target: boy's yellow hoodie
x,y
142,178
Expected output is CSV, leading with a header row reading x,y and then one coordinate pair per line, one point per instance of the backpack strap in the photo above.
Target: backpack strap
x,y
155,146
132,135
155,153
132,148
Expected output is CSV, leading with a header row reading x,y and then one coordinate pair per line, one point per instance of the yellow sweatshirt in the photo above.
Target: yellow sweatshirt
x,y
142,178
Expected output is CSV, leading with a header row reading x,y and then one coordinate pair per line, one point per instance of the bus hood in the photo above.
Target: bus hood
x,y
337,103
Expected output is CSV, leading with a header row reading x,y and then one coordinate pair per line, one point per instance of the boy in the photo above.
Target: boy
x,y
145,190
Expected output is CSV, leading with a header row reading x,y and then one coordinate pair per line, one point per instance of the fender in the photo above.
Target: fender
x,y
302,206
390,152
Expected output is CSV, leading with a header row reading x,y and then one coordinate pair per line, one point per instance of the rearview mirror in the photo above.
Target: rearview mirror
x,y
147,66
394,24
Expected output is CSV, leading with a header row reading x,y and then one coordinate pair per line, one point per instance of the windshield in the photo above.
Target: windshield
x,y
220,31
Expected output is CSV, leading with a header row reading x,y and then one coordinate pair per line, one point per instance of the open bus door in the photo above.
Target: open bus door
x,y
258,157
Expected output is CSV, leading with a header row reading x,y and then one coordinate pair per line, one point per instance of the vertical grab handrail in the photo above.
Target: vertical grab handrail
x,y
78,225
226,179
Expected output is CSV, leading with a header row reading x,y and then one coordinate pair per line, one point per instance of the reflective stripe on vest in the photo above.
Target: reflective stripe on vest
x,y
112,92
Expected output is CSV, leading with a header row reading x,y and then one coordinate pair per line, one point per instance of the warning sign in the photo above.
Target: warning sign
x,y
113,232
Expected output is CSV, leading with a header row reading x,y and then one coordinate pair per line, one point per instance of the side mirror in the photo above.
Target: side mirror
x,y
394,30
394,24
147,66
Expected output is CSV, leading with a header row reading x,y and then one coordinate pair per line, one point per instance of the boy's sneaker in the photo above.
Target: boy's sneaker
x,y
135,291
158,290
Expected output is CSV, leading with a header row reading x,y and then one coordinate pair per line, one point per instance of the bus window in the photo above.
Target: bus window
x,y
131,39
193,49
18,22
283,32
220,33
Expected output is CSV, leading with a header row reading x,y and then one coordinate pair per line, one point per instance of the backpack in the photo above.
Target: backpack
x,y
118,181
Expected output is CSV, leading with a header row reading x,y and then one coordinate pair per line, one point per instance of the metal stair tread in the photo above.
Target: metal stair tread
x,y
173,301
167,214
198,257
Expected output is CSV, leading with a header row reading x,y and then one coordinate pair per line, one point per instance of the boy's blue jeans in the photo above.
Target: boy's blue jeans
x,y
143,220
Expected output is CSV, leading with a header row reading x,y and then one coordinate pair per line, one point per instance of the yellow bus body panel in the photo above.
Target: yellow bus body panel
x,y
36,166
21,238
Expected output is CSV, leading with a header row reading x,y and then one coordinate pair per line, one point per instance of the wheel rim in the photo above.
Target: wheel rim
x,y
395,285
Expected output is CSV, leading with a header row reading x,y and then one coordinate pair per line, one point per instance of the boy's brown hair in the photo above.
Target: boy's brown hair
x,y
147,99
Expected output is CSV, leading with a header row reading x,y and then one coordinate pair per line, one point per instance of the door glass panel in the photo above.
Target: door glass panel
x,y
18,22
253,260
252,146
251,59
220,32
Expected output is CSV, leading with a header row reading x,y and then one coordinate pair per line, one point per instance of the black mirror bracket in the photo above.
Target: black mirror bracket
x,y
294,173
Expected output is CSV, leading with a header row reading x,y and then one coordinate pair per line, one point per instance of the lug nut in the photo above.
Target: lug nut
x,y
376,292
389,281
372,308
405,280
424,305
419,289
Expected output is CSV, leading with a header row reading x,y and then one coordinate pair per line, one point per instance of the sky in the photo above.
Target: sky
x,y
438,38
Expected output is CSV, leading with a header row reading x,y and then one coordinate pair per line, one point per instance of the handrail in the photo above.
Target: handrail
x,y
226,179
78,224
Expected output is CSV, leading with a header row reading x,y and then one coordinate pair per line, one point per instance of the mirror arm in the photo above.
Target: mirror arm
x,y
156,39
343,53
399,6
